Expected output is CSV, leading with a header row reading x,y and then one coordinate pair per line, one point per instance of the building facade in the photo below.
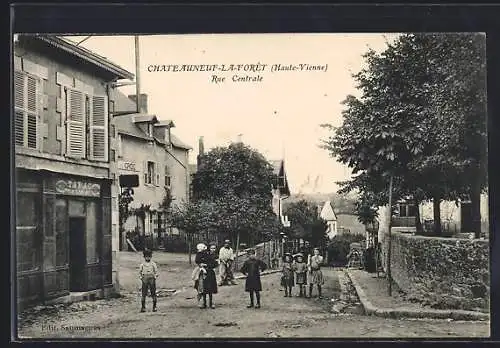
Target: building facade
x,y
66,197
148,148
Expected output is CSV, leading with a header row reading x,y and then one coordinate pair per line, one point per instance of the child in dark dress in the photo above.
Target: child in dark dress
x,y
251,269
207,261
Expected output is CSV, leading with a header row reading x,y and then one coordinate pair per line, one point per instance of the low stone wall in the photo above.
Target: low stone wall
x,y
445,273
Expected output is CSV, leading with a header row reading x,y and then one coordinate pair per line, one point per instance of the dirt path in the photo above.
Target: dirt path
x,y
179,316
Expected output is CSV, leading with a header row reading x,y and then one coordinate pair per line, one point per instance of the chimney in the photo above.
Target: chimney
x,y
143,101
201,150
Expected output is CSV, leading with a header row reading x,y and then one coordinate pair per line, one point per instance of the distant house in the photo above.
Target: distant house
x,y
327,213
148,148
280,189
455,217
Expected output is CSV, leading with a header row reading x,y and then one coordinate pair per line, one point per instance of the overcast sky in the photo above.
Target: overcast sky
x,y
279,116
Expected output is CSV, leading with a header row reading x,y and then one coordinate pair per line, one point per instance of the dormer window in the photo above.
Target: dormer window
x,y
168,140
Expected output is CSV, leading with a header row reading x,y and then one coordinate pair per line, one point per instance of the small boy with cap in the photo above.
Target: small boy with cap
x,y
226,258
148,272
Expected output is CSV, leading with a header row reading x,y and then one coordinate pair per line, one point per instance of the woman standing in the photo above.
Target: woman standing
x,y
208,261
315,274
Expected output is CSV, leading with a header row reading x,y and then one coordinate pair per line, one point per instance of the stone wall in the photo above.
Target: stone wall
x,y
446,273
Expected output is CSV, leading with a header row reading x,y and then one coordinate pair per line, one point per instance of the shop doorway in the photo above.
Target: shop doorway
x,y
77,256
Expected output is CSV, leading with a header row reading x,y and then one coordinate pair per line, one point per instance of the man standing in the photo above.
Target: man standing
x,y
226,258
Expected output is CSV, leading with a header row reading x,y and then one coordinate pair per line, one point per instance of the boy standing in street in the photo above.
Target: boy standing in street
x,y
252,268
226,258
148,272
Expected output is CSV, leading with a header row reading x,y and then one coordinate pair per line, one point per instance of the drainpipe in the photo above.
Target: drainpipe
x,y
186,168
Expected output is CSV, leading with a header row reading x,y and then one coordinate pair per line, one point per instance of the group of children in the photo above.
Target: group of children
x,y
296,271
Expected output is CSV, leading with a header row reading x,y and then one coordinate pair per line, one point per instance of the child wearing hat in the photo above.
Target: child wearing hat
x,y
301,274
287,271
148,272
199,272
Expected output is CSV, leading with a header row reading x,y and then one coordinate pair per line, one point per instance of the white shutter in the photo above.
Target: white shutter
x,y
19,88
27,109
145,167
32,112
99,129
75,124
157,174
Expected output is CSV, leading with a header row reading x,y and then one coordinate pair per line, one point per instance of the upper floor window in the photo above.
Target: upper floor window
x,y
26,109
86,125
167,177
151,173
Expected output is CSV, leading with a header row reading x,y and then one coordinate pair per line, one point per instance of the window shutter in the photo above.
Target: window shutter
x,y
76,124
33,112
99,129
19,103
18,89
27,109
157,174
145,166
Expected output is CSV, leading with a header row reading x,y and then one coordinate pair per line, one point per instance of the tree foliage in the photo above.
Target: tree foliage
x,y
306,224
421,118
232,194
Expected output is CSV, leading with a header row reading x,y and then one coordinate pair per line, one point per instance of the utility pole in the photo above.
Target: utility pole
x,y
137,74
389,242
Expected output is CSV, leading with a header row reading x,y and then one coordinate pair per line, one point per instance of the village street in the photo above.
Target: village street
x,y
179,317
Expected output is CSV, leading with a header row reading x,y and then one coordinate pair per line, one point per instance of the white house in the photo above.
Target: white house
x,y
328,214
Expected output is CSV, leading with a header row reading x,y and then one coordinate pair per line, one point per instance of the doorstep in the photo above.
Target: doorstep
x,y
91,295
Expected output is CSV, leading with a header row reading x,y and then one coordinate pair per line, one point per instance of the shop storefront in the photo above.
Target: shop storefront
x,y
63,230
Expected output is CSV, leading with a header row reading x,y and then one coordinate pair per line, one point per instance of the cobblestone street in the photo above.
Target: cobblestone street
x,y
179,317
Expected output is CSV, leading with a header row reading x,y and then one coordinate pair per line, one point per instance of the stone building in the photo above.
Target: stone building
x,y
66,192
148,148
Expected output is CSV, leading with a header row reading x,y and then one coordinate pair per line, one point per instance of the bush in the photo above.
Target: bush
x,y
338,247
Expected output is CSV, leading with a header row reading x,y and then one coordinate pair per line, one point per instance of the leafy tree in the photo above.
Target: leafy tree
x,y
420,118
238,170
124,200
306,223
193,217
237,180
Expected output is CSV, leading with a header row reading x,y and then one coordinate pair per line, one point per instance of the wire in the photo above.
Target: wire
x,y
88,37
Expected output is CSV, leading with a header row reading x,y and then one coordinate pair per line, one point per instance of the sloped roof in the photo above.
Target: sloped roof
x,y
327,212
139,118
279,171
83,53
125,123
277,164
122,102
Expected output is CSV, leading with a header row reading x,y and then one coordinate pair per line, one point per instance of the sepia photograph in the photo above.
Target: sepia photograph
x,y
256,186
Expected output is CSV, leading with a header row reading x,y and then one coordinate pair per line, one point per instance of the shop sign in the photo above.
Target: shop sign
x,y
78,188
127,166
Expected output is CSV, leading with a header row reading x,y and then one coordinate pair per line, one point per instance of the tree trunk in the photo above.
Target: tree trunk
x,y
189,247
436,201
237,249
418,221
475,198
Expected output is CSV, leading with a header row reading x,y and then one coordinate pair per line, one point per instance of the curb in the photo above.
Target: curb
x,y
370,309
